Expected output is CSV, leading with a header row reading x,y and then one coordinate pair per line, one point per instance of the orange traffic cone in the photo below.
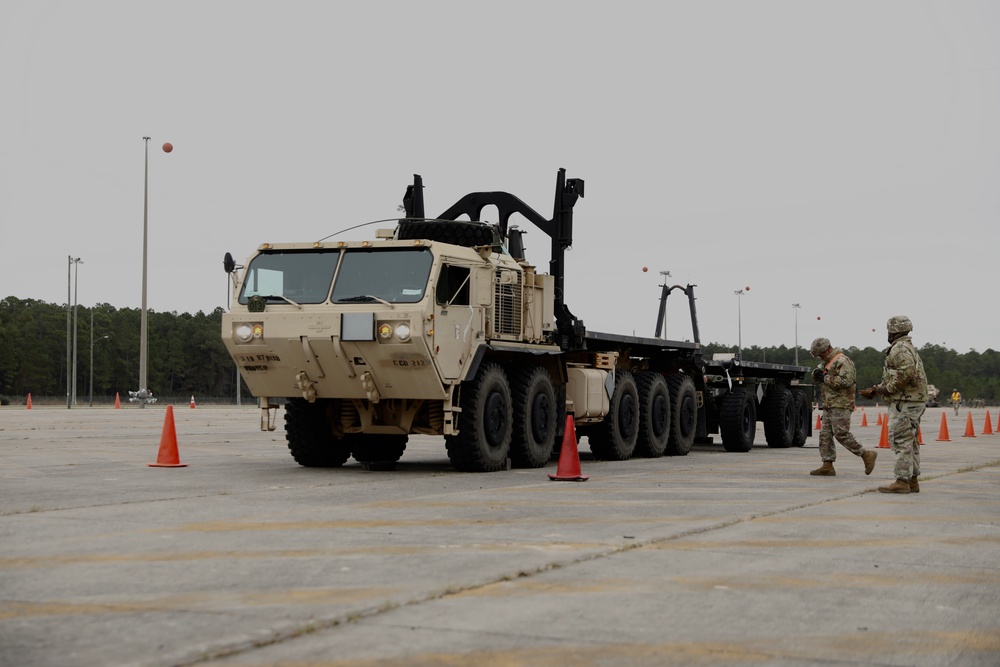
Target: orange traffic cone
x,y
883,439
879,419
29,402
943,434
998,422
920,436
118,403
864,418
192,401
970,430
988,426
819,423
168,456
569,457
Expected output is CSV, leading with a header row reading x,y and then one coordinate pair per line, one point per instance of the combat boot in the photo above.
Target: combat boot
x,y
898,486
869,456
914,485
826,470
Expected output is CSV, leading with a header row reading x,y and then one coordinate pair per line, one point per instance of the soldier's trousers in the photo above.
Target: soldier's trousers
x,y
904,422
837,425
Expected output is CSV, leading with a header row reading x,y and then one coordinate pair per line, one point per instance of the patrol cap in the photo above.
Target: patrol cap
x,y
899,324
819,346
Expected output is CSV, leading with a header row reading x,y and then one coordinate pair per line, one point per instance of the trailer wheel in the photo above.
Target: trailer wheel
x,y
654,414
309,433
803,417
376,450
684,409
456,232
483,441
535,418
614,439
738,420
779,418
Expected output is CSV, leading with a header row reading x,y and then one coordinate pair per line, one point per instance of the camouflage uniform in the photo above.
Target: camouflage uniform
x,y
905,391
838,405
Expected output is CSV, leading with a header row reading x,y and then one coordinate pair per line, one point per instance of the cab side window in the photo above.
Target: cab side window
x,y
453,286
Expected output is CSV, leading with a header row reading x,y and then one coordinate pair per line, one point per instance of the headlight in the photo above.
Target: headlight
x,y
390,331
245,332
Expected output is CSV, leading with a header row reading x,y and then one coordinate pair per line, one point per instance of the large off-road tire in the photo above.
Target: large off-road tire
x,y
738,420
377,451
803,417
779,417
536,418
309,432
485,425
654,414
456,232
614,438
684,413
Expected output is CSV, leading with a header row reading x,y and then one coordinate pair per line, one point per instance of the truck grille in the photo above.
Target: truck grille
x,y
508,307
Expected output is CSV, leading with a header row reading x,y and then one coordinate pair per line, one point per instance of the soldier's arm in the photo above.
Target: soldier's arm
x,y
840,376
901,369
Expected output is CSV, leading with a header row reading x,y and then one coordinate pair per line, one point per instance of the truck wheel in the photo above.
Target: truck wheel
x,y
377,451
535,418
654,414
779,418
614,439
738,420
483,441
684,408
456,232
802,408
309,432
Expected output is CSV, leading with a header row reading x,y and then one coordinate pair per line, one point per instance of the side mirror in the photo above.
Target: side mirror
x,y
228,263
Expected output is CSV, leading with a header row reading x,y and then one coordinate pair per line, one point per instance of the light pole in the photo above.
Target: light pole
x,y
76,289
796,307
92,356
144,321
69,346
143,395
739,319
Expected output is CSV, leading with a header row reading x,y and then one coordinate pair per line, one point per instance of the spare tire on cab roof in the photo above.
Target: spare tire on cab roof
x,y
457,232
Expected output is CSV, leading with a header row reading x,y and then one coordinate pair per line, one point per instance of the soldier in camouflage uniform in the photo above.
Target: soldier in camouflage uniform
x,y
904,388
836,373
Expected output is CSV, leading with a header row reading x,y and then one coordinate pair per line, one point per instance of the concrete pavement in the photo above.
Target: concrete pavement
x,y
716,558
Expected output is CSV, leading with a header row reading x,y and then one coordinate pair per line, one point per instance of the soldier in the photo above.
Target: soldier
x,y
836,373
904,387
956,400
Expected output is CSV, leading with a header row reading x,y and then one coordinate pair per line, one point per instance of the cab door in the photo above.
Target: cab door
x,y
458,315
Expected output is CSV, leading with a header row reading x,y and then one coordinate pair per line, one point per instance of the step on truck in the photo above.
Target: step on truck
x,y
440,327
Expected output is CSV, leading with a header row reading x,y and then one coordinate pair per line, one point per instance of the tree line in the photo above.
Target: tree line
x,y
185,353
186,356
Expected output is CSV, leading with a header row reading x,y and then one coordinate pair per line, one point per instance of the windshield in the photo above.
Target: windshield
x,y
301,276
394,275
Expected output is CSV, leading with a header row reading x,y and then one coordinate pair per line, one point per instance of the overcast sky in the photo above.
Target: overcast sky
x,y
840,155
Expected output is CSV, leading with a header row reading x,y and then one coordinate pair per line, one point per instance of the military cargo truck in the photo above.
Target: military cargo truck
x,y
440,327
932,396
